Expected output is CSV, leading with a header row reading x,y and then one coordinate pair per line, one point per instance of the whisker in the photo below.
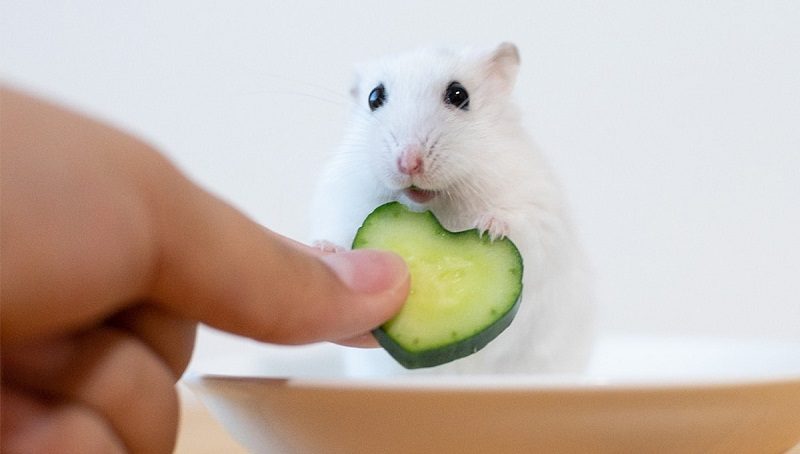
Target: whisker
x,y
296,81
304,95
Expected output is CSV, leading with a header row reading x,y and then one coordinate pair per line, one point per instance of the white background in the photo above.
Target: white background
x,y
674,126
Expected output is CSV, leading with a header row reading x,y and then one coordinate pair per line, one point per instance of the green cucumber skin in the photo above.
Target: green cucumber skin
x,y
445,353
449,352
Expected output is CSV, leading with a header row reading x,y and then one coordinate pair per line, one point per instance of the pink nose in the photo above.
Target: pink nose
x,y
410,161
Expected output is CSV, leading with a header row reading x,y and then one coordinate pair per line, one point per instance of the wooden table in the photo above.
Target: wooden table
x,y
199,432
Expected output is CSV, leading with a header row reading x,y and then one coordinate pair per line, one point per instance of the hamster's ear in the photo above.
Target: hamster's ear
x,y
359,70
503,65
354,86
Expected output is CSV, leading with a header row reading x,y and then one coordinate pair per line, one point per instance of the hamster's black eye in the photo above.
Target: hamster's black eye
x,y
457,95
377,97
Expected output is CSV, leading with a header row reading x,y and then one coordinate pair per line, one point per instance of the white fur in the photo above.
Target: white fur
x,y
489,174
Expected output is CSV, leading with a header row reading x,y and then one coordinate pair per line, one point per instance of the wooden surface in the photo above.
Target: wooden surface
x,y
199,432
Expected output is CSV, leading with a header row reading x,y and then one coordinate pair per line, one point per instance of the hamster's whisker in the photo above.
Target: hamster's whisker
x,y
362,112
296,81
425,140
337,103
472,192
432,147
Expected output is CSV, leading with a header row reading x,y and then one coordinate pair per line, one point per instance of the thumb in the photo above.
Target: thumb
x,y
95,221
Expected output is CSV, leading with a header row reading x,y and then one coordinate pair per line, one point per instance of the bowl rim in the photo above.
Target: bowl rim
x,y
497,383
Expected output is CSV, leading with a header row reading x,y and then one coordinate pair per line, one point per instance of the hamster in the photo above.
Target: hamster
x,y
436,129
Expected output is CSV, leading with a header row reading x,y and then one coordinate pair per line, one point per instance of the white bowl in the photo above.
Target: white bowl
x,y
639,395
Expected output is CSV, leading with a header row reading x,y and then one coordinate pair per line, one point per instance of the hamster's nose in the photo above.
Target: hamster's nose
x,y
410,160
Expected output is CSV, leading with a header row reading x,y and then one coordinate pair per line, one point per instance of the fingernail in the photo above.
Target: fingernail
x,y
368,271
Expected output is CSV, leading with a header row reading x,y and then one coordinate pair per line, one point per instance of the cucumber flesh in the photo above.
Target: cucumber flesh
x,y
465,289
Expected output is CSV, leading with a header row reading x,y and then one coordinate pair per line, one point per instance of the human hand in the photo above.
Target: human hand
x,y
109,258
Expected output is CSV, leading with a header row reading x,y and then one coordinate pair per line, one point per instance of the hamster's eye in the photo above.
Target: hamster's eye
x,y
377,97
457,95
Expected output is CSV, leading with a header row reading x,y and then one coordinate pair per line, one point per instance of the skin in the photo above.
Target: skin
x,y
110,257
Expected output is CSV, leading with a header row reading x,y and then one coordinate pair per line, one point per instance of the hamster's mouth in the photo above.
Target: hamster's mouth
x,y
419,195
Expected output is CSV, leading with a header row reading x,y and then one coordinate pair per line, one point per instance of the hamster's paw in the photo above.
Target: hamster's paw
x,y
494,227
327,246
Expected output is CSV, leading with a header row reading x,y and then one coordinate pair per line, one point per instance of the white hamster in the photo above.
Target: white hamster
x,y
436,129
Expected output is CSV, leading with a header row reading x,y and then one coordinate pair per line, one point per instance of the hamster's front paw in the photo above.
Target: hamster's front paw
x,y
494,227
327,246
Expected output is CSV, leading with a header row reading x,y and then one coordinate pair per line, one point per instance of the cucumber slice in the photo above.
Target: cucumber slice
x,y
465,289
